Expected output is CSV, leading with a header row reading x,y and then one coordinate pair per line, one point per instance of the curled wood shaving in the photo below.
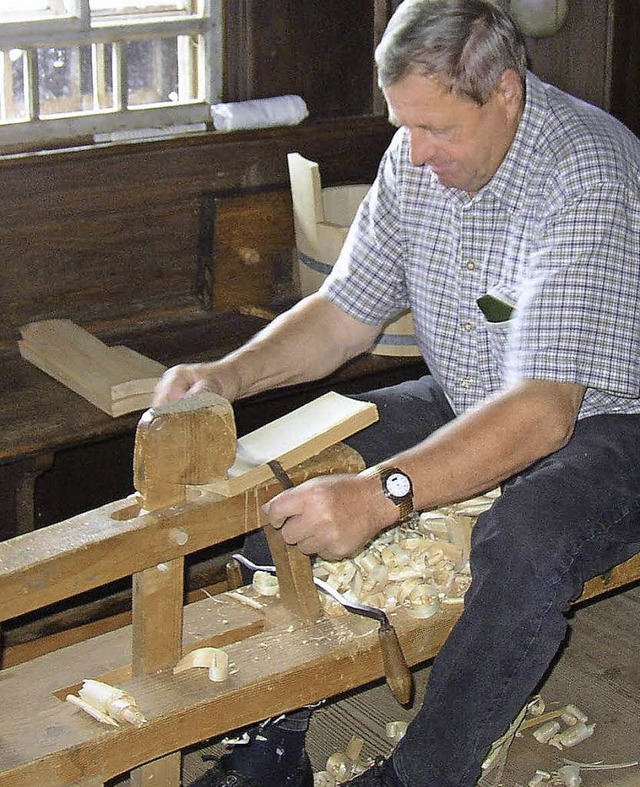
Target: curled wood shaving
x,y
215,660
600,766
395,731
265,584
572,736
107,704
343,766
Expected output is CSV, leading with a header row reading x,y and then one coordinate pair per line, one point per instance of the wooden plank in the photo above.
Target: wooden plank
x,y
617,577
212,622
293,438
283,668
137,382
103,375
157,617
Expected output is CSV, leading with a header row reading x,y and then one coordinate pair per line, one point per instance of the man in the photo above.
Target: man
x,y
506,214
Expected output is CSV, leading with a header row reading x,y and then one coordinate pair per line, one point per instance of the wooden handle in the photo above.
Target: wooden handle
x,y
395,666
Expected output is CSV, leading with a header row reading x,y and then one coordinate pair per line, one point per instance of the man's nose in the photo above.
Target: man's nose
x,y
422,147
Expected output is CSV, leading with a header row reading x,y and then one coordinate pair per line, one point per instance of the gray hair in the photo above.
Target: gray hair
x,y
466,44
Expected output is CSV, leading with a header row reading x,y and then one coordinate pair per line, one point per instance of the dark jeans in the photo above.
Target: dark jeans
x,y
569,517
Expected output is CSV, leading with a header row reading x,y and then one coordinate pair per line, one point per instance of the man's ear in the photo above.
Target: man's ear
x,y
510,90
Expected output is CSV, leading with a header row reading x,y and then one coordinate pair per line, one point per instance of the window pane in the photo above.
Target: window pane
x,y
12,102
75,79
141,8
162,71
24,10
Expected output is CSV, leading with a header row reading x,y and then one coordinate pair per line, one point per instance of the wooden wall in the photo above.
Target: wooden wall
x,y
319,50
124,230
98,232
625,67
323,51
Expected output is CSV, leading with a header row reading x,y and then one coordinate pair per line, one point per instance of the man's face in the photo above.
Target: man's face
x,y
462,142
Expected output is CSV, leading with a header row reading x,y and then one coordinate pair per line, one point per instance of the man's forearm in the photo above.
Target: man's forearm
x,y
335,516
490,444
306,343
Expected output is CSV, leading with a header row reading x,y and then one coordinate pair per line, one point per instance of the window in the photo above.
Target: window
x,y
71,68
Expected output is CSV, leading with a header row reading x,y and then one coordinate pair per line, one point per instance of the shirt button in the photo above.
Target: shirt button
x,y
466,382
470,265
468,326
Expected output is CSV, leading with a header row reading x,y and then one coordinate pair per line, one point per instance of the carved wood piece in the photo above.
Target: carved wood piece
x,y
293,438
115,379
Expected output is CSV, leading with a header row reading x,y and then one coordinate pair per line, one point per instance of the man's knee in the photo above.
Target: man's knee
x,y
514,550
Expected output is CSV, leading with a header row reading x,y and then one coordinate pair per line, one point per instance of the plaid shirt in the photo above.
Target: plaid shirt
x,y
555,234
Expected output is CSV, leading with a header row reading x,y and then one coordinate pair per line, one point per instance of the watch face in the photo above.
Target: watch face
x,y
398,484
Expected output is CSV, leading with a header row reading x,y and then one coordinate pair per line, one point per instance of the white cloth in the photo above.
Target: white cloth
x,y
259,113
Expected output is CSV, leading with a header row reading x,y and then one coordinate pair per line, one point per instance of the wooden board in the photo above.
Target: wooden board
x,y
293,438
288,664
115,379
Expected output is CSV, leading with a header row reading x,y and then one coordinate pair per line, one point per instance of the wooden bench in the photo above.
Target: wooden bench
x,y
284,654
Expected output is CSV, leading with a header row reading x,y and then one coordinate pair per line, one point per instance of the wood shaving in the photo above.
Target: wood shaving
x,y
417,566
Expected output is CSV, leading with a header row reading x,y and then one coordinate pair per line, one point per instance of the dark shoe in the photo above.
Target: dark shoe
x,y
377,776
221,775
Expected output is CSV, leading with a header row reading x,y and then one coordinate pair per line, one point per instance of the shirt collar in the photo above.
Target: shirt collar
x,y
509,184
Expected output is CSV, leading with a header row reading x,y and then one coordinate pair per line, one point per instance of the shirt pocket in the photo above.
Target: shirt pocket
x,y
497,310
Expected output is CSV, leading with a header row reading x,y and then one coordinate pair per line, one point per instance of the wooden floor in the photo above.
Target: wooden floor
x,y
599,671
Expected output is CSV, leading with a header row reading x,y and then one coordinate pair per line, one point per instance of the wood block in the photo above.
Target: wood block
x,y
190,441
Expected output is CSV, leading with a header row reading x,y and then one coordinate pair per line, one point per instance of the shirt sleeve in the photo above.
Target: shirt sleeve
x,y
578,317
368,280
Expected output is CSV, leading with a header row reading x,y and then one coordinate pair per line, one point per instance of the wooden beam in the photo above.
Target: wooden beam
x,y
115,379
289,664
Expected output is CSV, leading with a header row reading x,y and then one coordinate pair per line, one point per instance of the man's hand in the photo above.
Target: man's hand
x,y
332,516
188,379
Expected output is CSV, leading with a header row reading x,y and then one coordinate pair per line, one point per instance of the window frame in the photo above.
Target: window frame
x,y
76,30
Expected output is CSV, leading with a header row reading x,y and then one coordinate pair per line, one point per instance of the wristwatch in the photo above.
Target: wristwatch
x,y
397,486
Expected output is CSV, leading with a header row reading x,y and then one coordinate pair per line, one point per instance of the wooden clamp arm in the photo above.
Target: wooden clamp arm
x,y
192,441
294,570
295,576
